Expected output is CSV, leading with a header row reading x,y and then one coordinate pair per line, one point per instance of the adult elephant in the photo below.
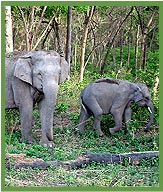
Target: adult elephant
x,y
33,77
113,96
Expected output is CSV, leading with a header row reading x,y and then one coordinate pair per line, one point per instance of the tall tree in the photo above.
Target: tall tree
x,y
110,43
32,18
44,32
137,46
88,18
9,34
28,24
144,30
69,37
59,38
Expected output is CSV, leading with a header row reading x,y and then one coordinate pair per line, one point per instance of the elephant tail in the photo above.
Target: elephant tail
x,y
84,106
82,103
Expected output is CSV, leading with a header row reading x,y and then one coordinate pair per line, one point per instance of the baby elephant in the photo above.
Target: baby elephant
x,y
112,96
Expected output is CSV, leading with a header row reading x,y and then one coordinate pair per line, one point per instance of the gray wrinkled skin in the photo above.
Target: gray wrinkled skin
x,y
33,77
112,96
148,103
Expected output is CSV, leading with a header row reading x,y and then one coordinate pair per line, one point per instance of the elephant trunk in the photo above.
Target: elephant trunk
x,y
50,93
151,110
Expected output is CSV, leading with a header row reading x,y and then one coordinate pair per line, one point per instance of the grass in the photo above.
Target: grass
x,y
93,175
69,144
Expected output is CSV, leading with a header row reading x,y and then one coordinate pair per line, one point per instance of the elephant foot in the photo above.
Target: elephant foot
x,y
113,130
28,140
100,133
127,132
146,129
81,129
47,143
76,131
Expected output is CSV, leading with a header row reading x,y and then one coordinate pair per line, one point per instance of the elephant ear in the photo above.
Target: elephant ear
x,y
64,73
23,69
138,95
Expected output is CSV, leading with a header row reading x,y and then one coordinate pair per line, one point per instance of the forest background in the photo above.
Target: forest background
x,y
98,41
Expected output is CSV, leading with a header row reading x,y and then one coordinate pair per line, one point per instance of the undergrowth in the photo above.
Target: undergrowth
x,y
69,144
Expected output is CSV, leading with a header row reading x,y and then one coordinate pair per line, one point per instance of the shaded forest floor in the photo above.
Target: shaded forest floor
x,y
69,144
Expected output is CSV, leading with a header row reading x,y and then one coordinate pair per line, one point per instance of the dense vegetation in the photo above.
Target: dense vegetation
x,y
124,61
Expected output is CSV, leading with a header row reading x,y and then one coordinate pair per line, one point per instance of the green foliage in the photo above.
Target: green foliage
x,y
69,143
12,117
58,10
133,125
152,69
69,146
81,9
127,70
150,162
102,10
61,108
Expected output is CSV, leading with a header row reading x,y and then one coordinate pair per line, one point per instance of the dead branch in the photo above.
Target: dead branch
x,y
44,32
21,161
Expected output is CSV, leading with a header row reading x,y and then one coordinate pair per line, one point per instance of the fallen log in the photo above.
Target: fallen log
x,y
85,159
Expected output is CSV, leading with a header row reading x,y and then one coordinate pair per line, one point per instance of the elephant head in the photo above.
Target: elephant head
x,y
35,66
146,102
138,95
43,71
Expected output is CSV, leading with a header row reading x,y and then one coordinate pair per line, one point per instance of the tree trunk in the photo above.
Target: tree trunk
x,y
26,30
128,57
58,35
110,44
45,39
137,47
44,32
125,159
129,43
75,56
9,35
152,39
37,26
84,41
142,58
114,56
68,40
121,48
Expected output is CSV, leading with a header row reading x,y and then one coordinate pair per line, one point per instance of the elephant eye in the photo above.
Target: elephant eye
x,y
39,75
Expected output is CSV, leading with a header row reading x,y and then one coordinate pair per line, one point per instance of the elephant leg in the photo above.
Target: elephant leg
x,y
26,122
83,117
24,101
118,122
97,124
127,117
46,137
97,112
